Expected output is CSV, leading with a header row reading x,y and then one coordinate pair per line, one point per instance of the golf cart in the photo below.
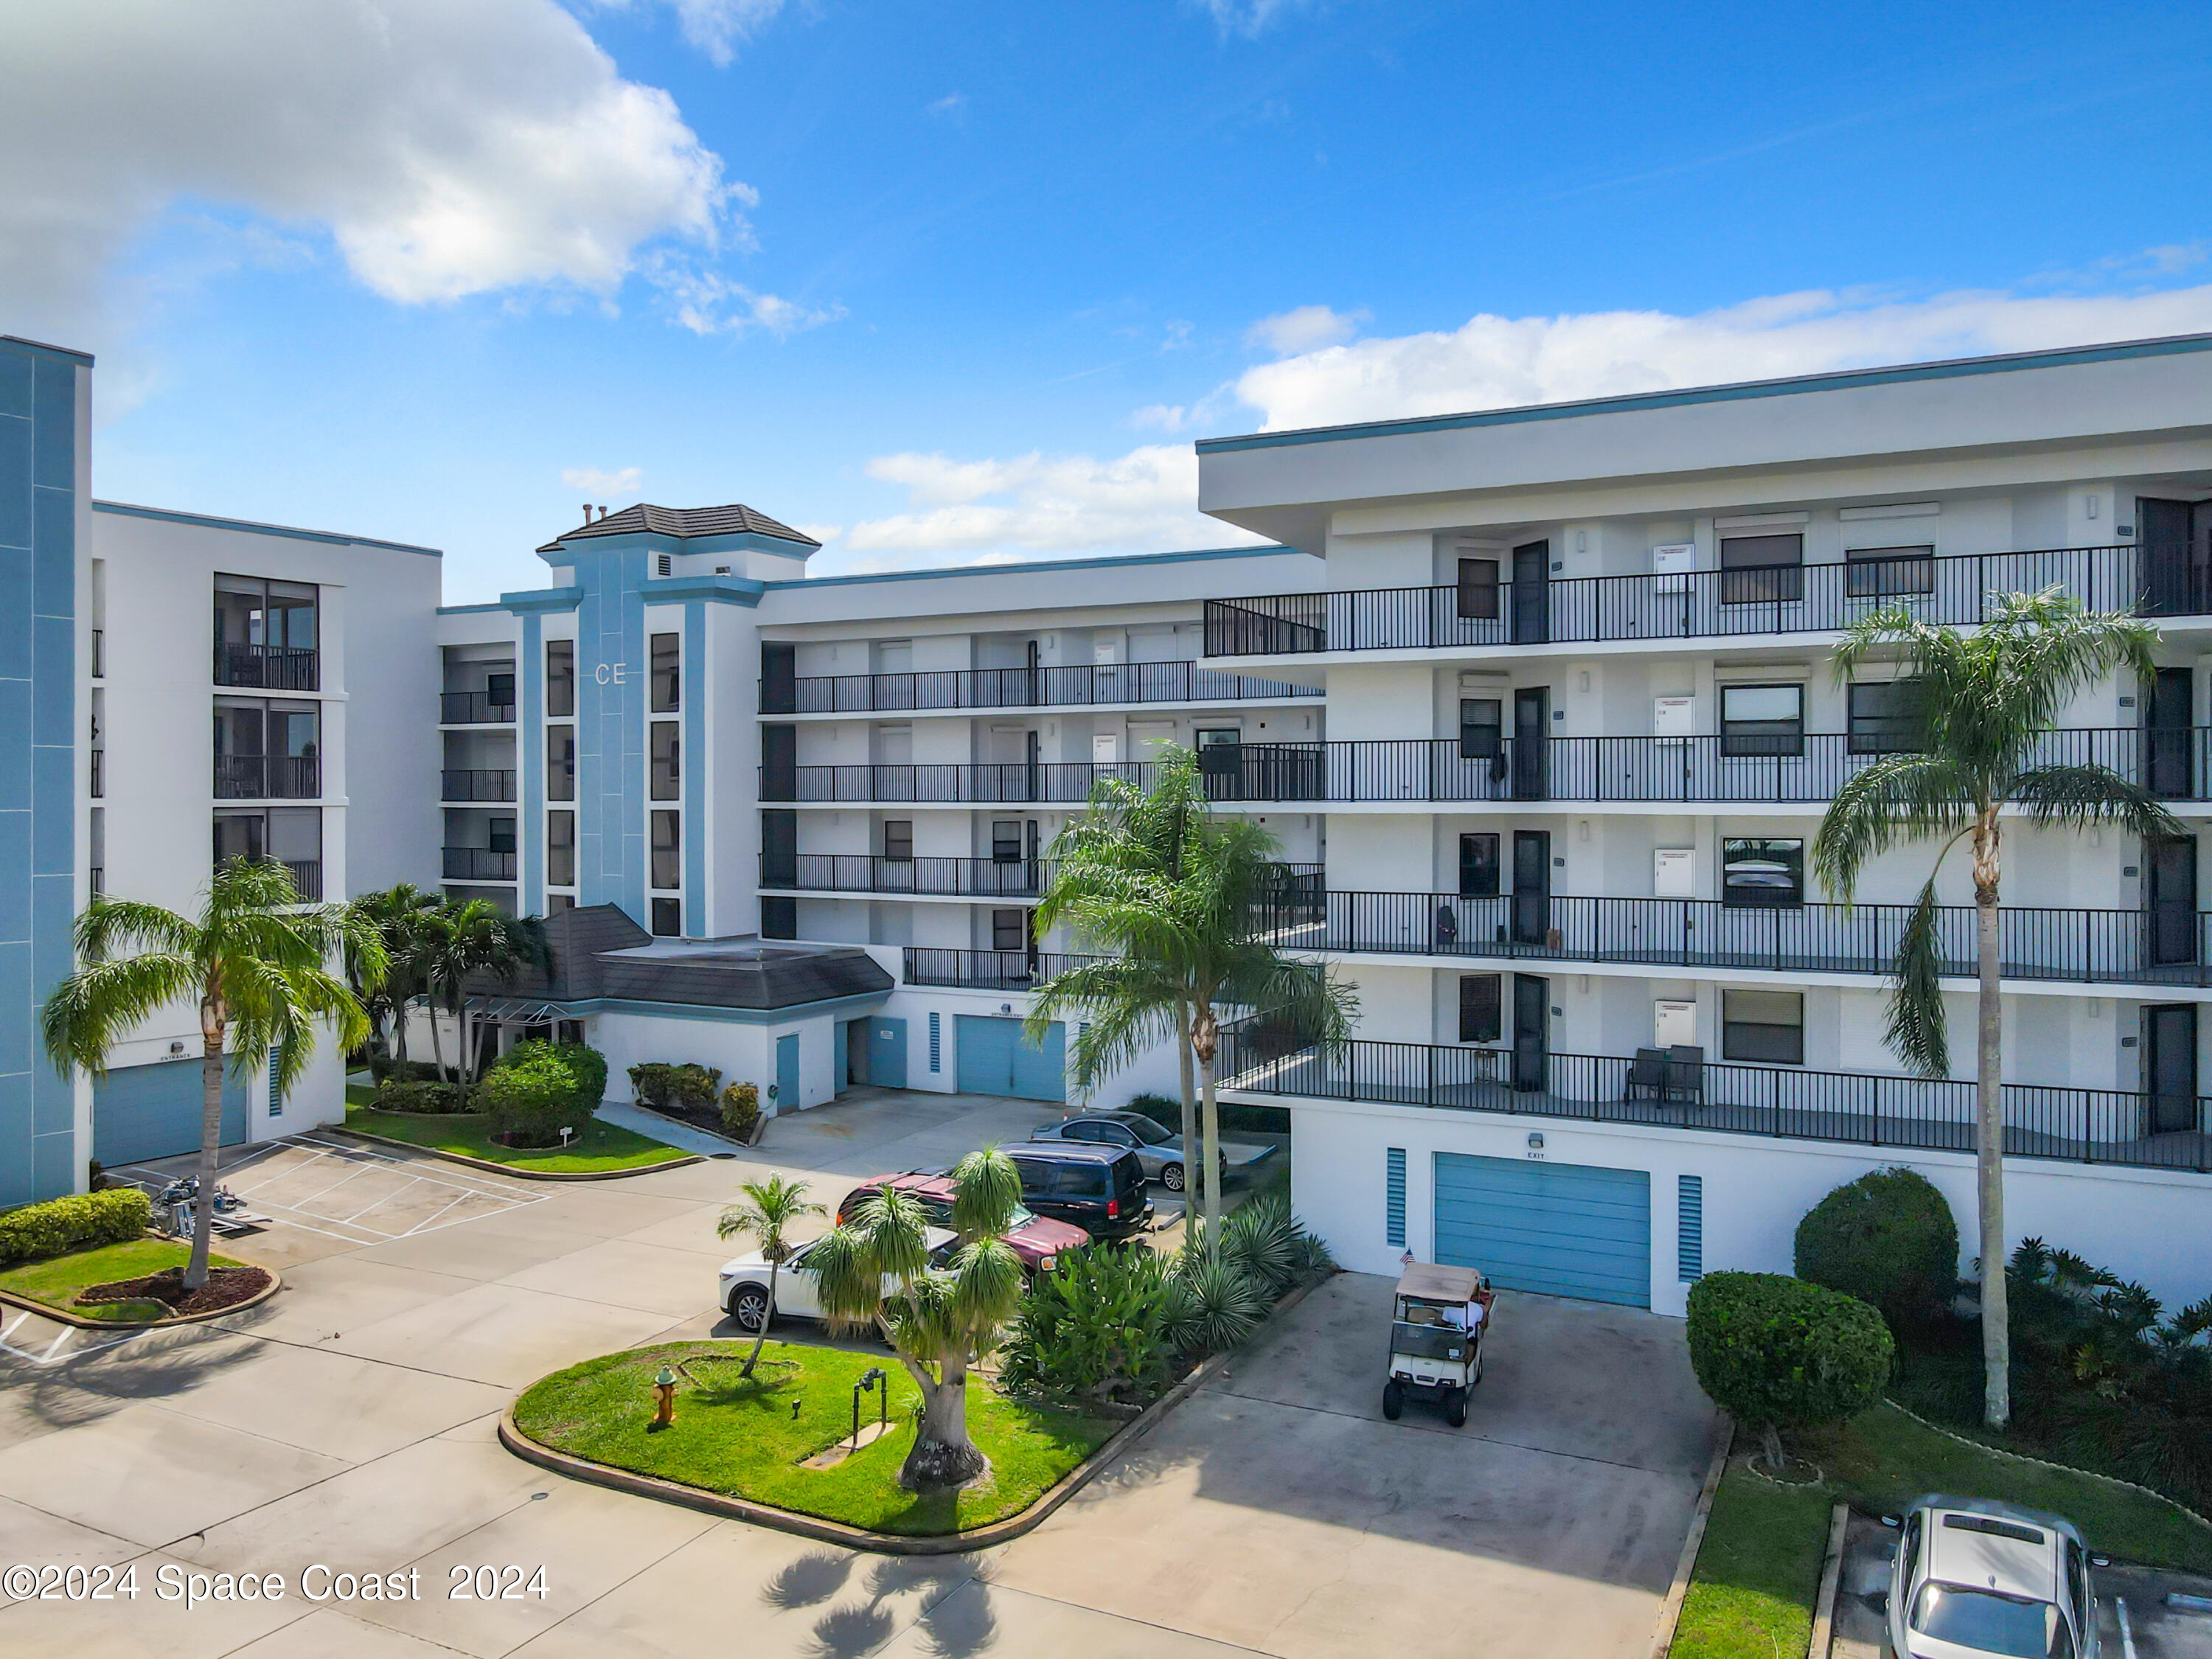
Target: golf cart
x,y
1437,1331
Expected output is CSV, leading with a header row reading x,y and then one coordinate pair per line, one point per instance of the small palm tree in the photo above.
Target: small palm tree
x,y
1178,902
254,962
1982,705
396,915
874,1272
767,1210
474,940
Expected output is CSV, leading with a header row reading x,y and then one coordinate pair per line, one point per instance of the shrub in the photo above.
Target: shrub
x,y
741,1109
536,1090
80,1222
1221,1303
648,1083
1166,1112
1776,1352
1261,1237
423,1095
1096,1329
383,1068
1887,1238
694,1087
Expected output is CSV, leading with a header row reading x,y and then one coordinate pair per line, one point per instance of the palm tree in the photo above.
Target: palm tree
x,y
1983,706
1179,902
473,940
767,1210
396,914
253,962
874,1271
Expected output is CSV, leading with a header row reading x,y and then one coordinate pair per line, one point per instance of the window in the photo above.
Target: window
x,y
1885,719
1880,573
667,851
1478,865
560,678
561,849
1482,998
499,691
499,835
1762,719
780,919
667,768
1763,1025
898,841
666,675
1009,930
1762,569
1006,840
667,918
1478,589
1762,873
1481,722
559,762
290,835
265,633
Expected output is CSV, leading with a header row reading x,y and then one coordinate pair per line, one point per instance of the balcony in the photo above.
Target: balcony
x,y
98,780
1252,771
269,667
2081,1126
1021,687
1798,598
476,784
99,653
478,864
2159,947
267,777
473,709
945,878
984,970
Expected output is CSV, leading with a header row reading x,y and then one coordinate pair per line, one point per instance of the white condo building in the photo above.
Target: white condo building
x,y
1538,704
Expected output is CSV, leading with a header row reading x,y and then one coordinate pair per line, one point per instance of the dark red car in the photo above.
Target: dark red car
x,y
1035,1240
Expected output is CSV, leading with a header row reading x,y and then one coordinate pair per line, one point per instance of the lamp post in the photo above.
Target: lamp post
x,y
869,1380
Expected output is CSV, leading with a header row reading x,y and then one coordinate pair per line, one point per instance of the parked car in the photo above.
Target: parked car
x,y
1038,1241
746,1284
1100,1189
1160,1151
1976,1578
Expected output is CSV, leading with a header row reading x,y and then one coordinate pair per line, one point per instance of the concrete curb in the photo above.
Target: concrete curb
x,y
859,1538
9,1298
490,1167
1670,1610
1832,1574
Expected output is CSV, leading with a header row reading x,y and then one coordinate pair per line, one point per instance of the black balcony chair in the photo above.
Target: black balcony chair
x,y
1647,1075
1686,1074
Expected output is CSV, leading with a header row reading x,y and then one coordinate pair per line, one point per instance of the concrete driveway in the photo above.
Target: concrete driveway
x,y
348,1424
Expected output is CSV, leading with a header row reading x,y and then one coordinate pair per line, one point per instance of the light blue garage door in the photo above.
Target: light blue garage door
x,y
1562,1229
994,1059
142,1112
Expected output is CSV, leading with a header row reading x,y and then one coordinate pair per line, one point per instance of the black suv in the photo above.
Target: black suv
x,y
1100,1188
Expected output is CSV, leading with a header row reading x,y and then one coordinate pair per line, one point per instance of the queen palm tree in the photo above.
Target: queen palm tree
x,y
1179,903
874,1272
396,915
253,962
1982,705
767,1210
474,940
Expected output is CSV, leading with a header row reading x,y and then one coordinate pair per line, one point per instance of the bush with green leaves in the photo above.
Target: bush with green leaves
x,y
82,1221
1097,1329
687,1087
740,1110
1887,1238
424,1097
385,1068
535,1089
1777,1354
1222,1302
1262,1237
648,1083
1166,1112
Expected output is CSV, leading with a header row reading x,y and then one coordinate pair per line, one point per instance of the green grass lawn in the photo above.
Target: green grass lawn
x,y
600,1146
57,1281
1758,1570
745,1440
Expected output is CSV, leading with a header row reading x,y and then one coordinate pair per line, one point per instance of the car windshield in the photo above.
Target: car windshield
x,y
1989,1623
1428,1341
1021,1218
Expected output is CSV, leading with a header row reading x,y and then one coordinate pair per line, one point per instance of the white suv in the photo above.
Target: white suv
x,y
1976,1579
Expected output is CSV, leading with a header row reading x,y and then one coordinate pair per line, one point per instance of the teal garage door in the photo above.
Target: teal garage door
x,y
142,1112
994,1059
1561,1229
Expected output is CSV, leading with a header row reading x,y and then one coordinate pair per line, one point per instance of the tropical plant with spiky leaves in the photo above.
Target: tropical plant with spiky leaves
x,y
766,1210
397,917
1982,706
874,1272
255,962
476,945
1180,906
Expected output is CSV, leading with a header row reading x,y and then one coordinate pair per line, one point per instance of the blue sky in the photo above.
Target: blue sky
x,y
948,283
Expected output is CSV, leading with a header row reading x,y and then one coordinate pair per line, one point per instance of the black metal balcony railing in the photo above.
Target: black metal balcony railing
x,y
984,970
99,782
99,653
267,777
955,877
2158,946
1021,687
473,708
1775,600
1252,771
271,667
2088,1125
478,864
477,783
97,875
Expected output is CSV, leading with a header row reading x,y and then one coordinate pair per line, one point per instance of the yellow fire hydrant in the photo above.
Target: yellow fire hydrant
x,y
664,1384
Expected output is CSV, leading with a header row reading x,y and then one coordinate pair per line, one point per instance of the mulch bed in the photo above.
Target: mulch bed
x,y
226,1288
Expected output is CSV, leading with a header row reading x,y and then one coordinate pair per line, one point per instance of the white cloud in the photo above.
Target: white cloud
x,y
951,104
1303,329
1494,362
593,482
1246,18
1168,418
707,303
447,150
717,27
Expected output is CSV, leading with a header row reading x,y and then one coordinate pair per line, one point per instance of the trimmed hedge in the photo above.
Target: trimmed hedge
x,y
740,1109
1887,1238
659,1086
80,1222
424,1096
536,1090
383,1068
1776,1352
1252,1119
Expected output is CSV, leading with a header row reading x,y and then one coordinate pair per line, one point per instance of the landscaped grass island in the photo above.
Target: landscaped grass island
x,y
747,1438
57,1281
600,1147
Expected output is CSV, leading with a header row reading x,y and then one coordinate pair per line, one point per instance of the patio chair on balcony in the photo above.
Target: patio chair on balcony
x,y
1686,1074
1647,1075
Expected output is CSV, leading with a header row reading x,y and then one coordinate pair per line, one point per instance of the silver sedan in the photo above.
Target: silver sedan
x,y
1160,1151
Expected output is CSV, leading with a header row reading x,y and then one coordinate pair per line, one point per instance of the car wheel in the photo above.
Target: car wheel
x,y
1456,1408
1171,1177
748,1307
1394,1401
